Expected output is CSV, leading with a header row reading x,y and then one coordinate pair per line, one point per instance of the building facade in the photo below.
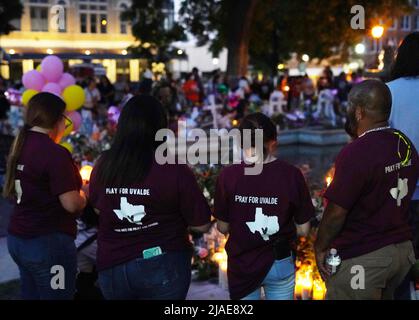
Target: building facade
x,y
395,30
75,30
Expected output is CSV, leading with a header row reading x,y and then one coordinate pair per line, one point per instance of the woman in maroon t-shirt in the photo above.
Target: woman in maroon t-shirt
x,y
262,214
44,183
145,209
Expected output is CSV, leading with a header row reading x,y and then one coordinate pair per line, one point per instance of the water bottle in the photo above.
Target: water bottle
x,y
333,261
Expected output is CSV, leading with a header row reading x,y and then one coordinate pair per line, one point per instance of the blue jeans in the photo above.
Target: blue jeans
x,y
164,277
47,265
279,282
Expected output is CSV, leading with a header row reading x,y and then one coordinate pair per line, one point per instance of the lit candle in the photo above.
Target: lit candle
x,y
319,289
328,180
85,173
307,284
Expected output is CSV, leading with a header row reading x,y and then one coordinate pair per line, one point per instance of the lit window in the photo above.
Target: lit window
x,y
103,23
93,17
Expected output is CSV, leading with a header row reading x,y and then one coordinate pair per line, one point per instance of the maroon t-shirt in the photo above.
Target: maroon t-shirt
x,y
259,209
44,171
153,212
376,190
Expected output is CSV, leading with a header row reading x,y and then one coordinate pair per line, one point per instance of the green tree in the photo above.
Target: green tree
x,y
269,30
9,10
265,32
153,28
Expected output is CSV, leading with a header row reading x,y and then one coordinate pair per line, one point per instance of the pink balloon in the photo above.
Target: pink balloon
x,y
52,87
66,80
75,118
52,68
33,80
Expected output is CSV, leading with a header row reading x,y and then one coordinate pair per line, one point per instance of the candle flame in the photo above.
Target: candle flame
x,y
85,173
329,180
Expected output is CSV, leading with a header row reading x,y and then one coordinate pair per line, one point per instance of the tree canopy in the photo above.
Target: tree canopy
x,y
267,31
9,10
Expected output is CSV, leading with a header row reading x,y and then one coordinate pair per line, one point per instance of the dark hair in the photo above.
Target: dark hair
x,y
374,97
131,154
44,110
406,63
259,121
90,80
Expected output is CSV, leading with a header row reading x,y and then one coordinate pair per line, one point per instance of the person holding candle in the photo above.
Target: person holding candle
x,y
366,219
262,215
44,184
145,209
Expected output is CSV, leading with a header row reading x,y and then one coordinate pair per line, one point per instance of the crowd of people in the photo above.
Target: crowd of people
x,y
135,215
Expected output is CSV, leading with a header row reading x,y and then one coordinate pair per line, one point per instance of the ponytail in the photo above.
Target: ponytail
x,y
44,110
15,151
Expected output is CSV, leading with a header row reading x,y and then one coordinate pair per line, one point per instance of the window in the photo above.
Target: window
x,y
93,16
123,22
416,3
393,25
93,23
39,18
416,26
83,23
168,10
103,23
405,23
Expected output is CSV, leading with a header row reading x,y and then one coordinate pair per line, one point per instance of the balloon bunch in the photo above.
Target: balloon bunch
x,y
50,77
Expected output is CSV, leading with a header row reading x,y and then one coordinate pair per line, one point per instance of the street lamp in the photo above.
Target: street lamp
x,y
360,48
377,32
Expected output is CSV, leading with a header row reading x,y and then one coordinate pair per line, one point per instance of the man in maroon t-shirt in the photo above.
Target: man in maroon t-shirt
x,y
366,219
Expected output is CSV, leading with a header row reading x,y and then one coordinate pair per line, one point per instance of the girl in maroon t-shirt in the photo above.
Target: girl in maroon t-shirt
x,y
44,184
262,214
145,209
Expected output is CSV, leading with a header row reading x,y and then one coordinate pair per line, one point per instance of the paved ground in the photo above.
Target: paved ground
x,y
8,269
199,290
5,211
9,273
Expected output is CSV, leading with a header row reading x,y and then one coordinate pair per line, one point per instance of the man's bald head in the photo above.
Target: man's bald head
x,y
373,97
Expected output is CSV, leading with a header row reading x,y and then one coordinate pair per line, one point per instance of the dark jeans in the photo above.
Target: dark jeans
x,y
164,277
47,266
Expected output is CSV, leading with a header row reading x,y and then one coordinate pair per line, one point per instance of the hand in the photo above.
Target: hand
x,y
321,263
85,189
